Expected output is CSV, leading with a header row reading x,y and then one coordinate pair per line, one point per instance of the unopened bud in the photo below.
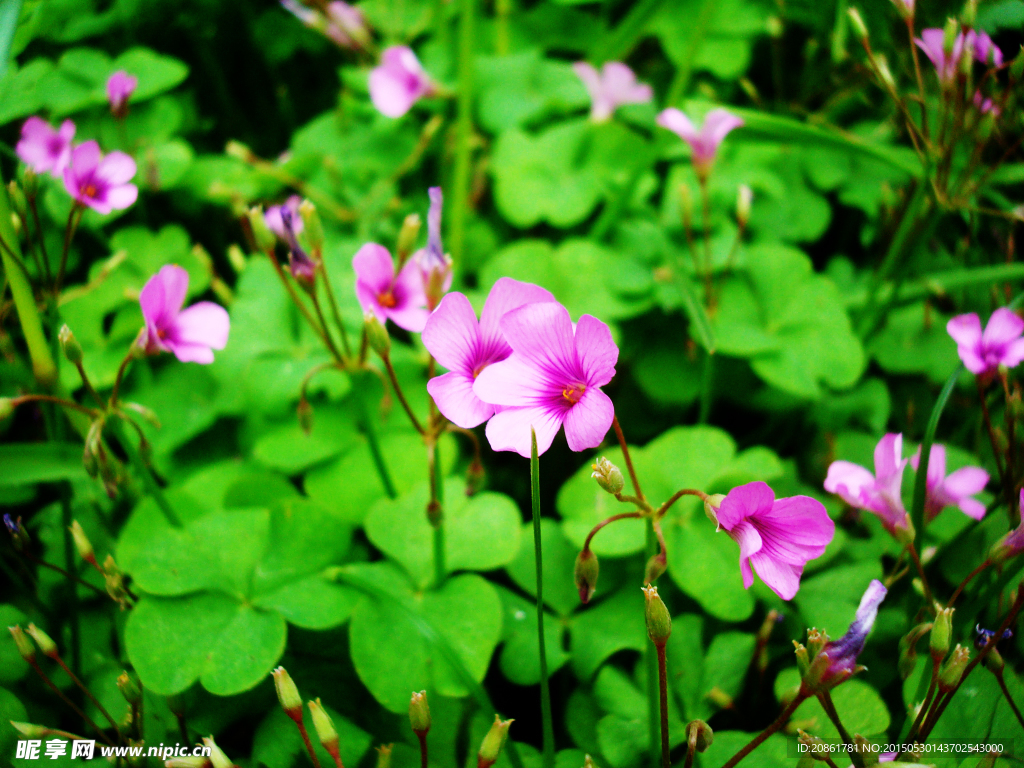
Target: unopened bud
x,y
491,746
236,257
908,649
217,757
46,645
129,689
69,345
407,236
744,198
884,73
969,15
288,694
942,630
608,476
659,622
905,8
25,647
377,335
6,408
803,659
265,239
239,151
324,726
949,35
304,411
82,544
993,661
711,505
656,566
475,476
419,713
585,574
953,669
30,730
314,228
588,762
384,755
699,735
719,698
857,23
813,747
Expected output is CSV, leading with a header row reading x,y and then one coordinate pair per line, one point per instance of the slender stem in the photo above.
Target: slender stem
x,y
1009,698
758,740
374,444
42,240
966,581
626,456
926,704
335,309
603,523
148,480
88,385
830,709
666,760
920,570
677,496
401,395
422,735
705,199
920,80
545,693
464,131
182,726
85,690
16,401
651,662
309,745
74,218
69,702
328,338
64,573
121,370
297,300
435,511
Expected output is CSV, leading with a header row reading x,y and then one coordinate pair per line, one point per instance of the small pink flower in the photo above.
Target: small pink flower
x,y
978,44
349,21
553,377
879,493
399,298
101,183
272,216
985,51
43,149
843,653
120,87
398,82
1000,344
776,536
717,125
435,266
191,334
955,490
614,85
465,347
985,104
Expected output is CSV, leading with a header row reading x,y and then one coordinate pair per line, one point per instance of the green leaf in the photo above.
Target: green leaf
x,y
520,660
914,340
523,88
558,557
859,706
25,463
602,628
290,450
12,666
705,565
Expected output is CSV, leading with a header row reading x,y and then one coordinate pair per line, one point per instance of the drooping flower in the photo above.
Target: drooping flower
x,y
613,86
466,347
101,183
843,653
776,536
191,334
120,87
553,377
386,295
44,149
954,490
435,266
977,44
717,125
272,216
1000,344
879,493
349,21
398,82
302,267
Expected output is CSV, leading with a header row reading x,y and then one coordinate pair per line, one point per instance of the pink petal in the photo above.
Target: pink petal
x,y
678,123
116,168
591,79
936,464
718,123
191,353
966,481
507,294
1013,354
203,323
123,196
85,158
849,481
782,578
1003,328
454,397
621,86
389,94
452,336
410,311
513,382
972,508
162,296
743,502
588,421
542,335
965,330
749,541
509,430
596,351
799,524
374,267
889,456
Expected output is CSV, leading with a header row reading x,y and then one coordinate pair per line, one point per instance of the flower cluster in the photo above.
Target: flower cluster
x,y
947,60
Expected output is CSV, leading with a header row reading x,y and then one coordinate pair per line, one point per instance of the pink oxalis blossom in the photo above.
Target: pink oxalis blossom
x,y
613,86
466,347
272,216
552,378
879,493
704,143
99,182
977,44
776,536
952,490
44,149
120,87
398,82
191,334
435,266
400,298
1000,343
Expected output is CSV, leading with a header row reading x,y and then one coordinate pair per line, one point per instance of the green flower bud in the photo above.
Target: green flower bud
x,y
69,345
384,755
659,622
744,199
953,669
377,335
6,408
588,762
993,661
908,649
236,257
585,574
857,23
813,746
656,566
30,730
239,151
304,411
711,505
608,476
324,726
969,15
288,694
491,746
46,645
699,735
942,629
950,32
407,237
82,544
884,73
129,689
475,476
803,659
720,698
217,756
314,228
261,234
419,713
25,647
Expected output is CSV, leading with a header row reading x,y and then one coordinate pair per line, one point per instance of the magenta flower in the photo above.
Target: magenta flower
x,y
717,125
776,536
465,347
101,183
1000,344
879,493
954,490
985,51
614,85
932,42
272,216
435,266
302,267
120,87
399,298
985,104
349,22
43,149
191,334
553,377
398,82
843,653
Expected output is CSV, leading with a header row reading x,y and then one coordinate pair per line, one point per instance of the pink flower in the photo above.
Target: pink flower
x,y
776,536
985,104
435,266
717,125
100,182
399,81
879,493
191,334
302,267
465,347
349,22
120,88
43,149
843,653
615,84
272,216
985,51
954,490
553,377
1000,344
386,296
979,44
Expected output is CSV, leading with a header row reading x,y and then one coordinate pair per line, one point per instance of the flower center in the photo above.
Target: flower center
x,y
479,369
387,299
89,190
573,392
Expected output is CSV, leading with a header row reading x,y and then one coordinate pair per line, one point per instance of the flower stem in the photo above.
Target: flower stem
x,y
435,512
464,132
49,684
626,456
920,570
148,480
308,743
16,401
74,218
422,735
758,740
666,761
651,661
545,693
1009,698
830,709
374,444
335,309
401,395
86,691
966,581
607,521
